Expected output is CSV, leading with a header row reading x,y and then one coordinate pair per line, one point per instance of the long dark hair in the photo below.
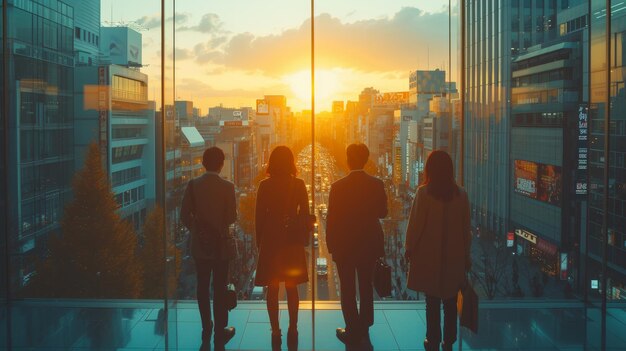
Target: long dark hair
x,y
439,176
281,162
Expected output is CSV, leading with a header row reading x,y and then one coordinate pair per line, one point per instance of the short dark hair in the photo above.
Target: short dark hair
x,y
213,159
357,154
281,162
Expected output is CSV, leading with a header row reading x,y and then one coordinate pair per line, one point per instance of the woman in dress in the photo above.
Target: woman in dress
x,y
438,247
281,255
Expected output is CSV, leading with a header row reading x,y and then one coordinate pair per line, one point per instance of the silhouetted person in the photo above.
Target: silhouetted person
x,y
208,209
355,239
438,247
281,256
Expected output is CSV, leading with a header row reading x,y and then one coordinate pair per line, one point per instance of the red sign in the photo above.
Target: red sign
x,y
510,239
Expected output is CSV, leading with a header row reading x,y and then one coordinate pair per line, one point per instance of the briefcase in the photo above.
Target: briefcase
x,y
467,308
231,297
382,278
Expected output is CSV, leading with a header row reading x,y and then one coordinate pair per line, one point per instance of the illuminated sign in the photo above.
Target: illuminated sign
x,y
563,266
235,123
526,235
594,284
400,97
262,107
510,239
538,181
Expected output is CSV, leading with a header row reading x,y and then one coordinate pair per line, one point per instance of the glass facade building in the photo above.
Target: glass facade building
x,y
107,107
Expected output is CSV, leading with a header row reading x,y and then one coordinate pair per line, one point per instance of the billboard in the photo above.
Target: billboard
x,y
393,98
262,107
538,181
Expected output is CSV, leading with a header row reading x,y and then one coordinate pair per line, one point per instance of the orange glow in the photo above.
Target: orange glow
x,y
327,84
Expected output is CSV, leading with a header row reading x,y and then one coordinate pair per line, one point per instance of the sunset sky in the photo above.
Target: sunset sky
x,y
233,52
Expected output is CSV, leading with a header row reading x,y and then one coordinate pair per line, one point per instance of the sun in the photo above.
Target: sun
x,y
326,88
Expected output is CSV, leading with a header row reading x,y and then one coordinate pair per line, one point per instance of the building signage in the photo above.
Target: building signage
x,y
526,235
337,106
262,107
103,112
400,97
510,239
538,181
235,123
582,149
563,265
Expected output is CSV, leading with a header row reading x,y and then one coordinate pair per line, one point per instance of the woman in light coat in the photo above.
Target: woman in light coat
x,y
438,247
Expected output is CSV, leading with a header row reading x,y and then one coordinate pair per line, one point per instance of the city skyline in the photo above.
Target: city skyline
x,y
224,56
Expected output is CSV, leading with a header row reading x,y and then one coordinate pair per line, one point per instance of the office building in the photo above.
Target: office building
x,y
40,151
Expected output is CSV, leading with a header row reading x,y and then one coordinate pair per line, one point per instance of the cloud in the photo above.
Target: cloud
x,y
182,54
209,24
397,43
154,21
203,89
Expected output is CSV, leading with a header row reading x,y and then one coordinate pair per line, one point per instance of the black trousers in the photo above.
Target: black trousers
x,y
357,321
433,320
219,269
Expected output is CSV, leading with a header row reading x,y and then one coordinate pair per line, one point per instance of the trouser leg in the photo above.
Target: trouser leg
x,y
433,319
203,274
366,294
220,312
347,279
449,320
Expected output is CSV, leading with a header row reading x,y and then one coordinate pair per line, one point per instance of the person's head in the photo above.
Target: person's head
x,y
439,176
281,162
357,155
213,159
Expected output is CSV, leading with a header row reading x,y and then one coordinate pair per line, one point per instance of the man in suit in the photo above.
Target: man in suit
x,y
208,209
355,239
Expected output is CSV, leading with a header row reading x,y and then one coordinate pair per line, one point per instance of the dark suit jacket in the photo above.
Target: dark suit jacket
x,y
355,205
214,203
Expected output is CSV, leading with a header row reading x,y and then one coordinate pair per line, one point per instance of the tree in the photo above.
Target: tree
x,y
94,257
489,272
154,257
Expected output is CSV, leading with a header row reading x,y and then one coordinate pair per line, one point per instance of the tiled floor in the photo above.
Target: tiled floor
x,y
398,326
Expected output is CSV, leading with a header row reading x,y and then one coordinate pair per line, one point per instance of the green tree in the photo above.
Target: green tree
x,y
95,256
154,257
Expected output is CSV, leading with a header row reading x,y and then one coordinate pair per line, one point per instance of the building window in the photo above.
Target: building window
x,y
77,32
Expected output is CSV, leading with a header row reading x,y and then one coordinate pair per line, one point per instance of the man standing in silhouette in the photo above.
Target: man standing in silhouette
x,y
208,209
355,239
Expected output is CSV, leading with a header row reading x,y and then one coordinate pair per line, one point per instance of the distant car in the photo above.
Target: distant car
x,y
322,267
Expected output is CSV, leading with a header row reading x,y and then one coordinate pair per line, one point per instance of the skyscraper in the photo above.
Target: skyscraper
x,y
496,32
40,144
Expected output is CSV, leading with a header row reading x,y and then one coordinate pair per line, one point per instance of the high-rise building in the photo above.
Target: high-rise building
x,y
40,151
86,31
112,109
607,100
496,32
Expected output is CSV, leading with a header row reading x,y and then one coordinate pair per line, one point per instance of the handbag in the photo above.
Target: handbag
x,y
298,227
382,278
467,307
231,296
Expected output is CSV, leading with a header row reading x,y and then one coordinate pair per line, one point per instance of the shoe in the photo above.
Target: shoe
x,y
346,337
207,332
292,338
430,346
277,339
224,337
